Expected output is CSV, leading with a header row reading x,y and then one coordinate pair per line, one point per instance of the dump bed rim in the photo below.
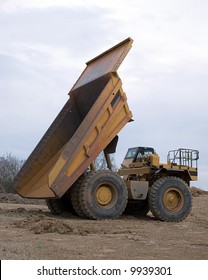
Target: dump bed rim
x,y
110,50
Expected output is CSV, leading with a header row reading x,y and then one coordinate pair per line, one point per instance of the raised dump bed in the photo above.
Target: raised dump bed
x,y
96,111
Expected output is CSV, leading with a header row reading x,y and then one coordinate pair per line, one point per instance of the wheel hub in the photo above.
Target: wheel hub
x,y
103,195
173,200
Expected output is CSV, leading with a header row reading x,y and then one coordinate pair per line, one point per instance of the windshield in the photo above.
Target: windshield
x,y
139,151
131,153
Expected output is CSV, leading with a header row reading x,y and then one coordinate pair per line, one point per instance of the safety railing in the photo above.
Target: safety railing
x,y
183,157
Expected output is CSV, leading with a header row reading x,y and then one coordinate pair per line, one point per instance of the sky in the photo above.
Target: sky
x,y
44,46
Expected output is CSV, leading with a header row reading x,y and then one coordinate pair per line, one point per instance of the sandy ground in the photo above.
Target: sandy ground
x,y
29,231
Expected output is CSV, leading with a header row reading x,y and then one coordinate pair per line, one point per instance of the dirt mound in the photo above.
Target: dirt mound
x,y
197,192
17,199
42,225
21,211
51,226
39,223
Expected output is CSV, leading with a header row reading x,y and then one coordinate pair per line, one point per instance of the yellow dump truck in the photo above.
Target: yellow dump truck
x,y
61,167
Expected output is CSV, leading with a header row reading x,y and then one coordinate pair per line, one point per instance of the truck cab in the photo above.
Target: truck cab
x,y
135,154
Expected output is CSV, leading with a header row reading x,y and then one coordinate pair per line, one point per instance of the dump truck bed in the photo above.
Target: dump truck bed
x,y
96,111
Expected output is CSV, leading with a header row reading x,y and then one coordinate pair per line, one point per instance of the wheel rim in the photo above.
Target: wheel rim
x,y
173,200
106,195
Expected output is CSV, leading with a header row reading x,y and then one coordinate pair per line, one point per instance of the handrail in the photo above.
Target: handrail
x,y
183,157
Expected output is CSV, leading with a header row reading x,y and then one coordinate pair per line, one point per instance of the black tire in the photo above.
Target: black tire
x,y
102,195
137,207
170,199
74,193
54,206
58,206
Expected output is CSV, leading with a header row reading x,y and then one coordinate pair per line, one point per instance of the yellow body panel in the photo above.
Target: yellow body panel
x,y
155,160
90,138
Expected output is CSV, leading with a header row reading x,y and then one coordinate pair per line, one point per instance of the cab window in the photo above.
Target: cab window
x,y
131,153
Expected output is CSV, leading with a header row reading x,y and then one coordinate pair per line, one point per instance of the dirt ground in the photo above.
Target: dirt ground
x,y
29,231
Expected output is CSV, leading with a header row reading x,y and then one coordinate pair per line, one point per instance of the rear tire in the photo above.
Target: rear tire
x,y
54,206
170,199
102,195
74,193
137,207
58,206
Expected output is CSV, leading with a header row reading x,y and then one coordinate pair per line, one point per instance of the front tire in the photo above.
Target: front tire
x,y
102,195
170,199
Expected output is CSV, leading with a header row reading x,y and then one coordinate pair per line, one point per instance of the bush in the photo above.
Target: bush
x,y
9,167
100,162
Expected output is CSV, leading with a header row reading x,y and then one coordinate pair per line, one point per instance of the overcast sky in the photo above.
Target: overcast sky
x,y
43,49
